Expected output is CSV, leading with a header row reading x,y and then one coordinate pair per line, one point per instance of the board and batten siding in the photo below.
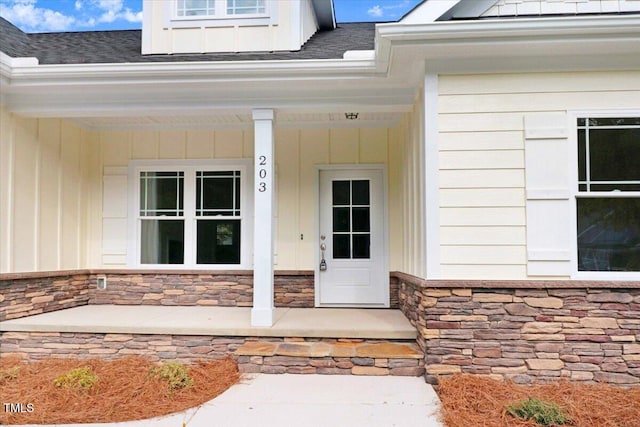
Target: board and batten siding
x,y
482,159
47,185
288,26
298,151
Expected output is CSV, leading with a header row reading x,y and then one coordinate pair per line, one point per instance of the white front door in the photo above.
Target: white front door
x,y
351,269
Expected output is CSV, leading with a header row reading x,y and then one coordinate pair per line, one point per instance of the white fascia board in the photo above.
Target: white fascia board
x,y
156,72
429,11
501,30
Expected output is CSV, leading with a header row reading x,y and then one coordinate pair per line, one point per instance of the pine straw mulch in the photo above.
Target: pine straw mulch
x,y
124,390
470,400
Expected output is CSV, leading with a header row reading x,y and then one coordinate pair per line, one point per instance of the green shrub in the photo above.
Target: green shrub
x,y
543,413
80,379
9,374
174,373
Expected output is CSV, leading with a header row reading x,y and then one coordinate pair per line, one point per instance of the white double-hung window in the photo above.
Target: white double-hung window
x,y
608,194
192,215
219,8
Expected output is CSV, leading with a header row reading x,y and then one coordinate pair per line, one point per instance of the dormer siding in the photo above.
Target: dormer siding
x,y
284,26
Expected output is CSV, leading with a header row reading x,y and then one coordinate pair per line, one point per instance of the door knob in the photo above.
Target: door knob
x,y
323,247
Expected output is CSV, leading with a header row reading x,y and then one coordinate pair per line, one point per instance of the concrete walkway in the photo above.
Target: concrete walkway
x,y
309,401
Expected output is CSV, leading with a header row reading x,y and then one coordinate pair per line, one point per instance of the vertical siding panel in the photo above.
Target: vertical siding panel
x,y
144,145
172,144
314,150
228,144
25,187
343,146
71,179
6,189
49,210
247,144
395,149
199,144
287,163
94,200
115,148
373,145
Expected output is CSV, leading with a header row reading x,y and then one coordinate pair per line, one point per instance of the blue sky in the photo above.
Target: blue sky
x,y
85,15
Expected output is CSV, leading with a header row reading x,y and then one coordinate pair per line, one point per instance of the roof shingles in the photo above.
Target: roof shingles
x,y
101,47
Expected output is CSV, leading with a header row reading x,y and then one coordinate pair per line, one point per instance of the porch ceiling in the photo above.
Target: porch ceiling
x,y
242,120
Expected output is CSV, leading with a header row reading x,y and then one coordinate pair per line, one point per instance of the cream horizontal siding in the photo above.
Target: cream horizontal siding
x,y
482,181
45,174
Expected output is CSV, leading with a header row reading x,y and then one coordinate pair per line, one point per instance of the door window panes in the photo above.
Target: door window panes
x,y
351,219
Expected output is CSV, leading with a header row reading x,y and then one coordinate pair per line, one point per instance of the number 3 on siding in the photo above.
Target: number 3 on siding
x,y
262,187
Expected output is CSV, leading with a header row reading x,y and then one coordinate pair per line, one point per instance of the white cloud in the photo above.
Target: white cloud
x,y
388,10
24,14
83,14
375,11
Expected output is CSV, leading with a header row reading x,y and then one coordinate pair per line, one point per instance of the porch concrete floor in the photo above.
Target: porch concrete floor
x,y
220,321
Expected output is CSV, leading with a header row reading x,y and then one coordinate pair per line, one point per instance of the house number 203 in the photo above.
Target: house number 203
x,y
262,174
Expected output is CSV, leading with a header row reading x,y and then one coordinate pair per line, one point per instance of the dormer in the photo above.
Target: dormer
x,y
217,26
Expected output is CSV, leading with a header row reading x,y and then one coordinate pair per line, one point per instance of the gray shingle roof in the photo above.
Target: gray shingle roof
x,y
95,47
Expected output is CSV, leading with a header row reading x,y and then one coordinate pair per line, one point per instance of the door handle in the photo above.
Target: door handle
x,y
323,263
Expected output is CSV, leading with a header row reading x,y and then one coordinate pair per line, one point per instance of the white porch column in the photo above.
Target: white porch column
x,y
262,312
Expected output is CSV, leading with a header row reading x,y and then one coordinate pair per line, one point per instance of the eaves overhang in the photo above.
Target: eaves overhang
x,y
76,90
516,45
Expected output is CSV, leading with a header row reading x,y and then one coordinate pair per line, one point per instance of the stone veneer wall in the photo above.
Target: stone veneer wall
x,y
24,294
191,348
224,289
527,331
34,293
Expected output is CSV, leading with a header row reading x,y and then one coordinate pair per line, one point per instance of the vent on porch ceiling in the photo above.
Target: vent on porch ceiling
x,y
351,116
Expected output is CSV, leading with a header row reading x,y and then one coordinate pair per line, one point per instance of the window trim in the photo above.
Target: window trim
x,y
189,167
220,18
573,117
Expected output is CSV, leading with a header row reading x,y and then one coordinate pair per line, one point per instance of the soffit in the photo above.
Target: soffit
x,y
241,120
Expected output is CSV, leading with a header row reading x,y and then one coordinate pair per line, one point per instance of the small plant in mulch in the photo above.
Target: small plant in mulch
x,y
174,374
9,374
541,412
78,379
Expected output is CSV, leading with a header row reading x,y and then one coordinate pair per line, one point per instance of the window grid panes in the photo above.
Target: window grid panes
x,y
608,198
207,226
161,193
218,193
609,154
351,219
246,7
196,8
